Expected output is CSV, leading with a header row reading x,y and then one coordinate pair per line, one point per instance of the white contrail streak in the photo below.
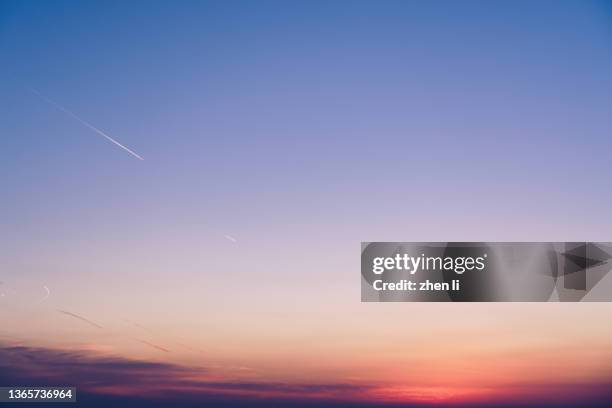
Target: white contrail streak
x,y
228,237
86,124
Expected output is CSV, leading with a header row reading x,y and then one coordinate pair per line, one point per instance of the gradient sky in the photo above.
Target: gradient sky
x,y
301,129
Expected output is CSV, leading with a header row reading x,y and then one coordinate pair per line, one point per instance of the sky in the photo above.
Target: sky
x,y
277,136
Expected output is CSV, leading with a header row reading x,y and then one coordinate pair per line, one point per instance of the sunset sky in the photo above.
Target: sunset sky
x,y
276,137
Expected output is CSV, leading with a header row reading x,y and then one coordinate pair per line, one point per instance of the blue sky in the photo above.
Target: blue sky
x,y
257,119
322,95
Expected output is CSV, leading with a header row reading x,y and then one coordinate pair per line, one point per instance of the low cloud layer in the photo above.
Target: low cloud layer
x,y
116,381
114,377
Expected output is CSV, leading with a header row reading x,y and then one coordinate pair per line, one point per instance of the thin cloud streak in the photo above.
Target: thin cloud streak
x,y
86,124
80,318
160,348
153,332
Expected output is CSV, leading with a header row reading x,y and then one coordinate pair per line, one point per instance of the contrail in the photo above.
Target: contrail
x,y
230,238
86,124
156,333
137,325
81,319
154,346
